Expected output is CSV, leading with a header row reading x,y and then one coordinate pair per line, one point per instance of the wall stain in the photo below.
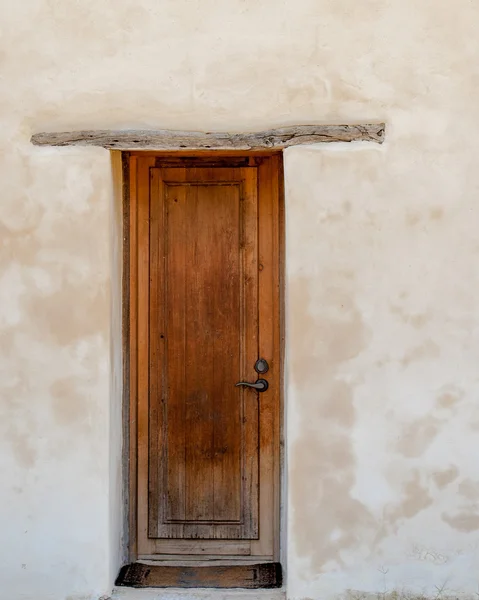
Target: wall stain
x,y
417,320
79,307
63,268
338,405
423,352
412,218
324,333
465,521
449,396
436,213
63,250
68,404
21,248
22,447
446,476
469,489
417,436
415,498
338,215
73,312
17,422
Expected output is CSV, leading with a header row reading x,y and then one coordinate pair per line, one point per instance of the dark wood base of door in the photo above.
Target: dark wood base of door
x,y
263,575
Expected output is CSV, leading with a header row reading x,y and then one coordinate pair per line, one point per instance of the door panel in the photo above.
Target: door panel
x,y
204,306
203,339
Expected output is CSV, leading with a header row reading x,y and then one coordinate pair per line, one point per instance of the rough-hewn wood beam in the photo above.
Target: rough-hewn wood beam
x,y
195,140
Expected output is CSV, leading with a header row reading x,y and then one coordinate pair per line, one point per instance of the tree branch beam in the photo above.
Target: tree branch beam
x,y
273,139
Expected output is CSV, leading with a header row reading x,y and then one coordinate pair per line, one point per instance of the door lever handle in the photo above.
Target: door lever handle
x,y
261,385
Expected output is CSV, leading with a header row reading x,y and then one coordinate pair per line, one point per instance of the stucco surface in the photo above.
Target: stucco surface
x,y
381,277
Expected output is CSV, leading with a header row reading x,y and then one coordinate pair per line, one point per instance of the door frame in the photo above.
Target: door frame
x,y
129,322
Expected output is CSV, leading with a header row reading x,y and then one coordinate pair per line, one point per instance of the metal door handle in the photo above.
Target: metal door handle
x,y
261,385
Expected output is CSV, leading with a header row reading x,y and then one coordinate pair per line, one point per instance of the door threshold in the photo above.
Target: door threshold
x,y
195,594
253,576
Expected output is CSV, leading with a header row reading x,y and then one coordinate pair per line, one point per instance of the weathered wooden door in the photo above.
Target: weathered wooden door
x,y
204,309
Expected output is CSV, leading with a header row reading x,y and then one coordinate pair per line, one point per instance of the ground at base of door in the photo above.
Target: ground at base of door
x,y
195,594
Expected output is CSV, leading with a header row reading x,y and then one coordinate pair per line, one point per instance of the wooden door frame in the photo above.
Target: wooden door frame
x,y
130,334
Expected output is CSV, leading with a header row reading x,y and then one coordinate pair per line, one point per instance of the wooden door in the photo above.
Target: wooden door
x,y
204,307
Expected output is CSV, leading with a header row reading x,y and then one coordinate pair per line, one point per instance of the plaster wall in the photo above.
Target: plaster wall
x,y
382,280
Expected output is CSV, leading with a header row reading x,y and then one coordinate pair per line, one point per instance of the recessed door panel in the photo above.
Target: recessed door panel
x,y
204,456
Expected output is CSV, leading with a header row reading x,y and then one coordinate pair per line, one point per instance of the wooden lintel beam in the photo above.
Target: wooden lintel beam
x,y
194,140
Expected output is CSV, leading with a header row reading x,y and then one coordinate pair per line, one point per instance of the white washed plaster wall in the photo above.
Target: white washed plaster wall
x,y
382,401
381,275
55,323
118,511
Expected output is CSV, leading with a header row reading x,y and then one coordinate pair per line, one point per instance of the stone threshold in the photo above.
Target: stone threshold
x,y
123,593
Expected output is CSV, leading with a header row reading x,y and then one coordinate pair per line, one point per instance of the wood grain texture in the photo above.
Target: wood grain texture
x,y
203,460
199,560
140,290
149,246
196,140
130,308
269,349
262,575
178,547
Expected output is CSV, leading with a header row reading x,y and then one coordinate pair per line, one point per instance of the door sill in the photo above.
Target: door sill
x,y
157,575
124,593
